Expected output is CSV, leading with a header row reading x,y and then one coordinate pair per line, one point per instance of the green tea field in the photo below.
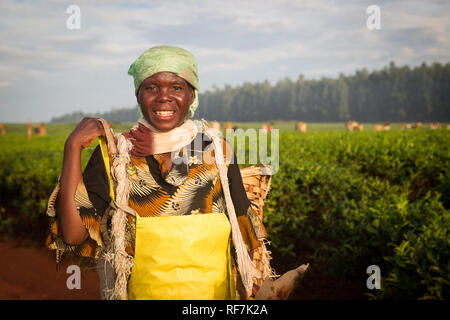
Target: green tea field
x,y
341,200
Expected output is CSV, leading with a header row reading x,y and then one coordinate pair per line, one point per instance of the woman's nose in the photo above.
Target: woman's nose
x,y
163,95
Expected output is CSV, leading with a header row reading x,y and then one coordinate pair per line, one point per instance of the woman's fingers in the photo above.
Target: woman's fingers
x,y
102,124
86,132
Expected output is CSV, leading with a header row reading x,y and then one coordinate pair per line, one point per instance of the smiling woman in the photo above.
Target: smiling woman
x,y
162,220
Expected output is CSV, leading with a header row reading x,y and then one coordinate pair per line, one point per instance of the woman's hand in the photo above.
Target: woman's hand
x,y
85,133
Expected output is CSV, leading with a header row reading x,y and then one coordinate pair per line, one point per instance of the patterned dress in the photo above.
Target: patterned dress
x,y
191,186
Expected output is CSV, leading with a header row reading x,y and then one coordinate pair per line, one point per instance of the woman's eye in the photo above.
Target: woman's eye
x,y
151,88
177,88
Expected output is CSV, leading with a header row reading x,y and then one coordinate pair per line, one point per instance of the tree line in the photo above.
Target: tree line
x,y
395,94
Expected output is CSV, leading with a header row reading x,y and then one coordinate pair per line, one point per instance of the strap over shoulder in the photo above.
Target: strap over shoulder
x,y
107,143
246,267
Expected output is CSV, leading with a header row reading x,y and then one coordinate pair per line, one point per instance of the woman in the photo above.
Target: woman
x,y
177,219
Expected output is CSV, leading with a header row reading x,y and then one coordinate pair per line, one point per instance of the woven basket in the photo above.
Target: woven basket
x,y
256,180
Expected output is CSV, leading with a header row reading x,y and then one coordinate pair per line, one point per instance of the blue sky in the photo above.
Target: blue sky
x,y
48,70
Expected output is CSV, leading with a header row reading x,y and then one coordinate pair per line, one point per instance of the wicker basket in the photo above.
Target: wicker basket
x,y
256,180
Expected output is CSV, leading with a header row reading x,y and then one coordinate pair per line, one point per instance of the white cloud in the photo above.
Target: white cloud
x,y
233,41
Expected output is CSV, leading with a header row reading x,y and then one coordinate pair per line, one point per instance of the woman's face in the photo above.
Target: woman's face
x,y
165,99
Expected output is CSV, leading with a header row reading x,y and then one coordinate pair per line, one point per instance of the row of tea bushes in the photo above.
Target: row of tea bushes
x,y
349,200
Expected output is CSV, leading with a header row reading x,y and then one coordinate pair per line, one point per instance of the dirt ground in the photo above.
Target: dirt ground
x,y
28,271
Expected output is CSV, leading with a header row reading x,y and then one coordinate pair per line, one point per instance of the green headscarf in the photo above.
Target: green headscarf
x,y
167,59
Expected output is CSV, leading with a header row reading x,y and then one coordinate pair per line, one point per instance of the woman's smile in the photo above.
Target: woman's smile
x,y
164,115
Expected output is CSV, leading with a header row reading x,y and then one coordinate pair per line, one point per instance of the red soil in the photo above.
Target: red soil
x,y
29,272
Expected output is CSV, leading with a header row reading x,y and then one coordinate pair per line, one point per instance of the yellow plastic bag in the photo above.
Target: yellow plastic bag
x,y
182,257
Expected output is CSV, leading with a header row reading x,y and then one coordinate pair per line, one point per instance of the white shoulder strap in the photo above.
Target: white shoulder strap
x,y
246,267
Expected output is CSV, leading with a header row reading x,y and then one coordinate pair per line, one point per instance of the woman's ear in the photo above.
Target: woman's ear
x,y
138,99
139,112
192,94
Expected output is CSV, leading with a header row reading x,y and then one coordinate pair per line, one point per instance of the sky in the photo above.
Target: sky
x,y
49,68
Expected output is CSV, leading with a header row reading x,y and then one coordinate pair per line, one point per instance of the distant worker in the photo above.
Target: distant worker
x,y
301,126
264,127
40,130
385,126
377,127
216,125
351,125
354,126
29,132
434,125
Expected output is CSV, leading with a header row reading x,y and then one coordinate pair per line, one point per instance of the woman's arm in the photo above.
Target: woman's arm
x,y
72,229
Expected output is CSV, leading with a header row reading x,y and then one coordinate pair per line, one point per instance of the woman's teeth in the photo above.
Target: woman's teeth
x,y
165,113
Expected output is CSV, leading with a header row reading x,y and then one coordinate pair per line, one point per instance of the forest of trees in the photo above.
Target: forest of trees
x,y
116,115
395,94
